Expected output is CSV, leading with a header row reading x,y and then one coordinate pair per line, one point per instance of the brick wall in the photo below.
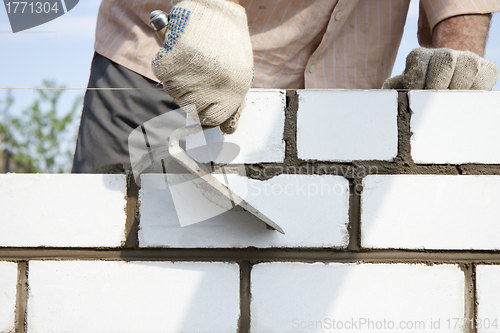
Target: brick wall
x,y
390,202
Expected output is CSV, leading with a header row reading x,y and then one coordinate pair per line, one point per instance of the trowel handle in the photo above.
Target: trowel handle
x,y
159,20
161,35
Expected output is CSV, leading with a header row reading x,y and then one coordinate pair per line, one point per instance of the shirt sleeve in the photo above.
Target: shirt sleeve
x,y
434,11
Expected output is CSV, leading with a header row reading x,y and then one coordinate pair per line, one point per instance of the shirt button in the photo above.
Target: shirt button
x,y
338,16
312,68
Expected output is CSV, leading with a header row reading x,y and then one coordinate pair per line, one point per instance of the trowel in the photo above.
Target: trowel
x,y
159,23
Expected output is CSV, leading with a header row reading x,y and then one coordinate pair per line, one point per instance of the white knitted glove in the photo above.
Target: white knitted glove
x,y
442,69
207,60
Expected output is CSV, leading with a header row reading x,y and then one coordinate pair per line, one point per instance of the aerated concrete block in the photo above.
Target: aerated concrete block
x,y
488,298
312,210
78,210
109,296
259,136
289,297
430,212
455,127
344,126
8,282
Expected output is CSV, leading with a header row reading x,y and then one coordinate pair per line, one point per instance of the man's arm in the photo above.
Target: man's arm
x,y
463,33
442,63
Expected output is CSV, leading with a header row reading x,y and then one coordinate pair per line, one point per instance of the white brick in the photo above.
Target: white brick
x,y
8,282
455,126
62,210
347,125
488,297
312,210
431,212
260,130
302,297
100,296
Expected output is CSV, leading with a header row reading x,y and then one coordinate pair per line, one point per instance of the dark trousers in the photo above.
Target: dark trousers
x,y
109,116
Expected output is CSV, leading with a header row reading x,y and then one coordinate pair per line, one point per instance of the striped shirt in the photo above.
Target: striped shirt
x,y
324,44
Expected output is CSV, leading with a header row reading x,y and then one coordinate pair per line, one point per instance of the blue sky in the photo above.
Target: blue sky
x,y
59,50
62,50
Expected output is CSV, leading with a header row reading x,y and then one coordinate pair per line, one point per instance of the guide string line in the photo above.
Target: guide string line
x,y
1,88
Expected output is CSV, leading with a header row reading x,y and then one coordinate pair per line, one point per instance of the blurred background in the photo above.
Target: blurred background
x,y
38,127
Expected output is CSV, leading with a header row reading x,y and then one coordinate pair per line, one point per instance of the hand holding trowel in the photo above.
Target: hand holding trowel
x,y
206,64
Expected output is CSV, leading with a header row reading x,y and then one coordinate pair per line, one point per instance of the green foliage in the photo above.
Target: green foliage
x,y
42,138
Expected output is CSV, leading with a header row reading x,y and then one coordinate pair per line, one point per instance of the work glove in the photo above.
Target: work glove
x,y
207,60
442,69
